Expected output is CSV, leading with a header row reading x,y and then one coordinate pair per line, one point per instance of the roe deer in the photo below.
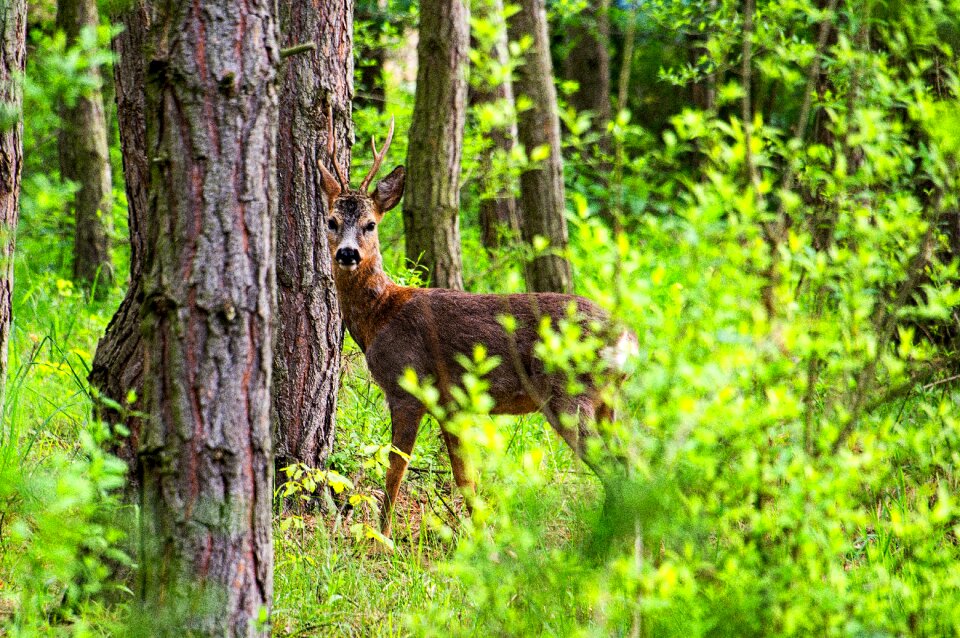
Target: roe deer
x,y
399,327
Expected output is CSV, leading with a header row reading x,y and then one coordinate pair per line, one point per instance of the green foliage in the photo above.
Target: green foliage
x,y
57,75
787,434
62,544
786,437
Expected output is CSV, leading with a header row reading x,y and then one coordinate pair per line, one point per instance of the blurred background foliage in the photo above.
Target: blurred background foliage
x,y
788,431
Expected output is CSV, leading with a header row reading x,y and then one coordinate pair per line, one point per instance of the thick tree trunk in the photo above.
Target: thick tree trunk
x,y
117,370
431,207
85,160
588,63
13,30
542,197
498,206
209,298
306,363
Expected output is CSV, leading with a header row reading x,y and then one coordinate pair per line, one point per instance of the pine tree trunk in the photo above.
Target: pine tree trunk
x,y
211,112
542,197
13,30
85,160
431,207
498,206
306,364
117,369
588,63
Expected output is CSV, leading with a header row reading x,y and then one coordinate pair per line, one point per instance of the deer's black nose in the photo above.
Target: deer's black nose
x,y
348,256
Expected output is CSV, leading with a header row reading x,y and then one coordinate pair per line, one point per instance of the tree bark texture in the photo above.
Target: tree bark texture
x,y
588,63
541,187
118,362
498,206
431,207
209,298
306,363
13,30
85,160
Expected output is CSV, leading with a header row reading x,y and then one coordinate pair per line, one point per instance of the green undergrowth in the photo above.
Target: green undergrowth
x,y
65,529
785,454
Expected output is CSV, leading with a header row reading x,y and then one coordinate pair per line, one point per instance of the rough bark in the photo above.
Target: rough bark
x,y
541,187
431,207
306,361
117,368
588,63
498,206
85,160
13,31
209,298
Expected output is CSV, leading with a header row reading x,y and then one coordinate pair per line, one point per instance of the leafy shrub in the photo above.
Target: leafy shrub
x,y
787,434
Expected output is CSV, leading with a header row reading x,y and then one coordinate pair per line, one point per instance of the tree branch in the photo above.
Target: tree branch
x,y
296,49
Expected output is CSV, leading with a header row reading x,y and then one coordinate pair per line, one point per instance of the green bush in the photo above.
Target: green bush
x,y
788,430
787,435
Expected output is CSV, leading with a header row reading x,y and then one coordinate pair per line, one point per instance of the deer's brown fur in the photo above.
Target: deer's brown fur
x,y
400,327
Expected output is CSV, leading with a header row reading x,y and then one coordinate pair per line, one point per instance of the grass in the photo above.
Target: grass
x,y
329,577
529,570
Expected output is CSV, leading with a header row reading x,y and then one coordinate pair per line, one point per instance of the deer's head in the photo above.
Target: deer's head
x,y
353,214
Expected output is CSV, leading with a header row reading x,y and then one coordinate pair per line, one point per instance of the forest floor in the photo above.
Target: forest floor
x,y
332,575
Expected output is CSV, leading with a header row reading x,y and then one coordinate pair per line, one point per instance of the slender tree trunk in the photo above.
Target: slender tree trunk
x,y
117,370
498,206
306,361
372,59
588,63
209,298
13,30
85,160
541,187
704,90
431,208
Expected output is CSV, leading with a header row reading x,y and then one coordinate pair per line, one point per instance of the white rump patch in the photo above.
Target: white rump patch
x,y
626,347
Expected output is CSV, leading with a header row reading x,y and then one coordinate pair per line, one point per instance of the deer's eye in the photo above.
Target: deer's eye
x,y
369,227
332,224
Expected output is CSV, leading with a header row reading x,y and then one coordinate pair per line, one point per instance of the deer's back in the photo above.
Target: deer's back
x,y
435,326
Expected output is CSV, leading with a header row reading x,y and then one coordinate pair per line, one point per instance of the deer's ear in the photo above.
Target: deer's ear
x,y
330,184
389,190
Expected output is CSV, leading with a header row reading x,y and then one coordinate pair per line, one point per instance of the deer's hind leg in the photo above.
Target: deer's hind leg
x,y
574,419
462,471
578,421
605,414
405,420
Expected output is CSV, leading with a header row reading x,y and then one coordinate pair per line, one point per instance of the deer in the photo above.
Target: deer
x,y
429,329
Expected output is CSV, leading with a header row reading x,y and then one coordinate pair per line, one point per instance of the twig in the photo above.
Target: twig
x,y
456,518
941,382
746,76
297,48
427,470
799,133
629,40
623,91
885,323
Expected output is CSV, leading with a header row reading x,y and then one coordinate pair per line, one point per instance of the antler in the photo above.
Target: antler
x,y
331,148
377,157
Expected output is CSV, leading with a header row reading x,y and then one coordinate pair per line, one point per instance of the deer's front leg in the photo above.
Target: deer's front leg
x,y
405,421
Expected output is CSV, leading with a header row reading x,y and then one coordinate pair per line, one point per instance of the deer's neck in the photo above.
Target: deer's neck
x,y
368,299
